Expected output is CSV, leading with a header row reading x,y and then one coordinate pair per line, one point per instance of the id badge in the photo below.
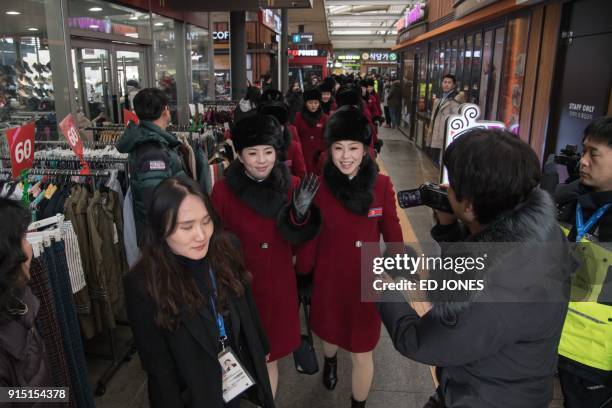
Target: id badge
x,y
235,379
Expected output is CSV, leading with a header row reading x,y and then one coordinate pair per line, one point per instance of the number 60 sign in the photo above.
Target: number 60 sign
x,y
21,145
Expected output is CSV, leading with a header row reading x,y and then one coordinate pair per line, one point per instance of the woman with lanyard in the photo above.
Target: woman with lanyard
x,y
357,204
191,309
260,202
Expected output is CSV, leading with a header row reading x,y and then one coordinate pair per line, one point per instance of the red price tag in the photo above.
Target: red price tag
x,y
129,115
71,133
21,144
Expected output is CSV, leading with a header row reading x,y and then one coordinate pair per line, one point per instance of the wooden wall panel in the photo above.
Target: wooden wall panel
x,y
439,9
531,73
550,44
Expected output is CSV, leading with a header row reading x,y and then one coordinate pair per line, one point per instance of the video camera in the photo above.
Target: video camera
x,y
570,158
429,194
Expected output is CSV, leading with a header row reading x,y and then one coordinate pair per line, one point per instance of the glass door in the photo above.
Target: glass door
x,y
107,77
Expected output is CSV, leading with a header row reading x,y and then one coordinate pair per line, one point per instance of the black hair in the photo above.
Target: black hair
x,y
171,287
253,94
450,76
599,130
14,221
493,169
149,103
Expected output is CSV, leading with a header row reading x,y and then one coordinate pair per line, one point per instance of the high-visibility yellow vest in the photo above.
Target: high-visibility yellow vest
x,y
587,333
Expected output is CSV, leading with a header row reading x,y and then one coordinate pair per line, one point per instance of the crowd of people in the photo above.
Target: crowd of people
x,y
213,300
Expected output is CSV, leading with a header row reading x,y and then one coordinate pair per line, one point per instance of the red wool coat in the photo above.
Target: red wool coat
x,y
311,139
337,314
374,105
268,256
295,155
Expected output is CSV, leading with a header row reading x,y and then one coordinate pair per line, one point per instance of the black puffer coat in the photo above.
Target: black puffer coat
x,y
493,354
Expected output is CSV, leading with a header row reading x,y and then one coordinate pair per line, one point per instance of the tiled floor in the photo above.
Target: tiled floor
x,y
398,382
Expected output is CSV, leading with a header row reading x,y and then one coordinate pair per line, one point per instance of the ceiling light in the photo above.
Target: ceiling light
x,y
158,24
94,26
32,29
13,13
134,17
95,9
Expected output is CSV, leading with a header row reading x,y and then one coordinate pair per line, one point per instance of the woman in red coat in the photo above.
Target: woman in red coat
x,y
272,102
328,102
373,101
358,205
310,124
261,203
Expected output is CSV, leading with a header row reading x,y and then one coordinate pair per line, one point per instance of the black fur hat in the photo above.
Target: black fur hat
x,y
257,130
312,95
276,109
328,85
348,95
272,95
348,123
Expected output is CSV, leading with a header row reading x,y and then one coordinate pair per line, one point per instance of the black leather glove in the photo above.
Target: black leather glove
x,y
303,196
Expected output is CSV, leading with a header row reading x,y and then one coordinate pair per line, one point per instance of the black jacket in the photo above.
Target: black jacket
x,y
491,354
182,366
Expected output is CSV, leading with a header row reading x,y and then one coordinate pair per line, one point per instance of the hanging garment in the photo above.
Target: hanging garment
x,y
105,225
57,270
48,326
73,255
130,238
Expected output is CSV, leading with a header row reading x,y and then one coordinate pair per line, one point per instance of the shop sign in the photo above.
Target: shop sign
x,y
302,38
21,145
221,35
90,24
307,53
266,17
413,15
71,133
379,56
349,57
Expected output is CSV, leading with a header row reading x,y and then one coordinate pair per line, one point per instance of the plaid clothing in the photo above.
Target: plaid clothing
x,y
48,327
55,260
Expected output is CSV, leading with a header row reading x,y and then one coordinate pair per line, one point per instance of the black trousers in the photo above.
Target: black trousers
x,y
387,115
581,393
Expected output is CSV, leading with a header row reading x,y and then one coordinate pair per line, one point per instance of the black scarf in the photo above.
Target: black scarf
x,y
266,197
355,194
312,118
326,106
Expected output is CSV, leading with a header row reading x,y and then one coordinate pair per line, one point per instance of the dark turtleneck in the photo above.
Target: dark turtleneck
x,y
312,118
199,270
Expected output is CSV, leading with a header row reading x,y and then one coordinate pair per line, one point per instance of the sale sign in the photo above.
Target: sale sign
x,y
71,133
129,116
21,145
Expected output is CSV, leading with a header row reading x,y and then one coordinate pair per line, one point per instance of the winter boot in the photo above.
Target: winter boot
x,y
330,372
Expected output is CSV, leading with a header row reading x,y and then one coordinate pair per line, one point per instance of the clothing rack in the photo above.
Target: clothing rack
x,y
65,143
106,127
61,172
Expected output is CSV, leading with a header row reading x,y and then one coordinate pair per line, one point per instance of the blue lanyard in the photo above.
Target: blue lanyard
x,y
218,316
581,227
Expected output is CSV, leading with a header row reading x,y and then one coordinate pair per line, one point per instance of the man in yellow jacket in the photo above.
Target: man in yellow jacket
x,y
585,212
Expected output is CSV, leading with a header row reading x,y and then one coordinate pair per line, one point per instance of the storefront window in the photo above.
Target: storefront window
x,y
498,54
198,43
165,59
475,75
514,73
460,59
487,52
467,65
447,58
453,63
107,18
26,79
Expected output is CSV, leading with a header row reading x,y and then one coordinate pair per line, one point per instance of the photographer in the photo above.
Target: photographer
x,y
489,352
585,362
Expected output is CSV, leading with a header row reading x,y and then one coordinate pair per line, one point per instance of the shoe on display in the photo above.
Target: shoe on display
x,y
27,67
22,93
29,81
48,65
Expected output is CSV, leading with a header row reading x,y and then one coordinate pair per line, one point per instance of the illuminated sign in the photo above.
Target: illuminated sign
x,y
302,38
349,57
413,15
221,35
307,53
379,56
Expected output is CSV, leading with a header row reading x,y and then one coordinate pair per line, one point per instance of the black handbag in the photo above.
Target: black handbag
x,y
305,357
